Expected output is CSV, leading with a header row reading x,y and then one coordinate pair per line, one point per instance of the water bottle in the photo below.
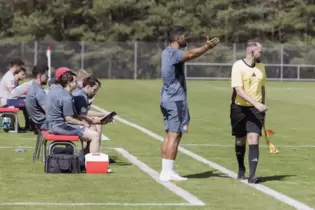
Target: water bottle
x,y
6,122
20,150
1,121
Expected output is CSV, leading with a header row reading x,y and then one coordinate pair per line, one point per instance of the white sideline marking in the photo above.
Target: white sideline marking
x,y
15,147
104,138
155,175
226,145
92,204
279,196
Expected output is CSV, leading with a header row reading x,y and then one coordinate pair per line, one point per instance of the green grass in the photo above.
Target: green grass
x,y
291,172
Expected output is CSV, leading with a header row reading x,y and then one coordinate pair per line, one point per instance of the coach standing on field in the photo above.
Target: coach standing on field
x,y
247,109
173,102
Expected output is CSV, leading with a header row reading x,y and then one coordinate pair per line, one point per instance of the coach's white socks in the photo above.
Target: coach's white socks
x,y
167,166
168,173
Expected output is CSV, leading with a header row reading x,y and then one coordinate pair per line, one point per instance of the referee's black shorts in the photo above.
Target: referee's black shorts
x,y
246,120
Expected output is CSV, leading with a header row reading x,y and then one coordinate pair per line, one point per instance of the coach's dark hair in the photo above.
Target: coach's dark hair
x,y
16,62
66,78
39,69
173,32
19,70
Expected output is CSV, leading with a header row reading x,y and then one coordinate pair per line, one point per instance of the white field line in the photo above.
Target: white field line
x,y
104,138
15,147
155,175
92,204
279,196
226,145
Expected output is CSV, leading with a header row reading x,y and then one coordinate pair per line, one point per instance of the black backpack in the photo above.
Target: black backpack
x,y
62,163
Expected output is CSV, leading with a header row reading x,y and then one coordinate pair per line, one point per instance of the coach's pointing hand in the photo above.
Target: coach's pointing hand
x,y
261,107
212,42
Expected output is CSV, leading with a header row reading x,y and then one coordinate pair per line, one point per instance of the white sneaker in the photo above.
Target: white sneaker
x,y
172,176
109,170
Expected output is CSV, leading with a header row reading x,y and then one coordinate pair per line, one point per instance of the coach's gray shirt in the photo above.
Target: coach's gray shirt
x,y
81,101
35,99
59,105
173,75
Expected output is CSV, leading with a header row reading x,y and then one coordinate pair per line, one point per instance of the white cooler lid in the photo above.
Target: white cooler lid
x,y
96,157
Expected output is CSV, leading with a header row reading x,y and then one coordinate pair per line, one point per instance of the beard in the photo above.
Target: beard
x,y
182,44
44,83
257,60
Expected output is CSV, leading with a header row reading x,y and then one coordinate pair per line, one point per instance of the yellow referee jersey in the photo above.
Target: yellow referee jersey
x,y
251,78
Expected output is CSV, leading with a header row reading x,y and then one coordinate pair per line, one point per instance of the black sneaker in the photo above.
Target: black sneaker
x,y
254,180
111,160
241,173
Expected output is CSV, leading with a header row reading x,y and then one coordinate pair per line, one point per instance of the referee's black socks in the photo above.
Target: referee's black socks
x,y
253,157
240,153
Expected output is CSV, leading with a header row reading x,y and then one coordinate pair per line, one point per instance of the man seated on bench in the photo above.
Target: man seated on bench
x,y
9,80
81,97
61,116
8,83
36,97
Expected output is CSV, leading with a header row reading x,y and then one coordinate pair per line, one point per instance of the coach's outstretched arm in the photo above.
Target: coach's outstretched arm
x,y
196,52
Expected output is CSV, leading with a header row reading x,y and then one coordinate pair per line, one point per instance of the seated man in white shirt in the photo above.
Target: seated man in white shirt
x,y
8,83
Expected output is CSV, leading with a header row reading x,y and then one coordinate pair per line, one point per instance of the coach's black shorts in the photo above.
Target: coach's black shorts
x,y
246,120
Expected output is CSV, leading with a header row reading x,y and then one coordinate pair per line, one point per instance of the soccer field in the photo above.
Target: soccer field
x,y
134,142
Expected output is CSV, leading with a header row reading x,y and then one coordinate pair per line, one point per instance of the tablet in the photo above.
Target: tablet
x,y
108,117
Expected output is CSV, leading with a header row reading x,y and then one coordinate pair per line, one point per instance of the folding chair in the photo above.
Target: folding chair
x,y
57,140
12,113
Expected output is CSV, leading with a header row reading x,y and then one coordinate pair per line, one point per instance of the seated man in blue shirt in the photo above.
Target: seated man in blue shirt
x,y
61,114
90,86
36,97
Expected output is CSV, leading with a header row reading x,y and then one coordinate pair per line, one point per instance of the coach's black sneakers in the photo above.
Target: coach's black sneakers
x,y
241,173
254,180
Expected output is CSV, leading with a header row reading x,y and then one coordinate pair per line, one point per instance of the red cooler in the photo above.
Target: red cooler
x,y
96,163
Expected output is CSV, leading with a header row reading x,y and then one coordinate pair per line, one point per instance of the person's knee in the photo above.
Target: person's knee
x,y
253,138
240,141
93,128
90,134
174,137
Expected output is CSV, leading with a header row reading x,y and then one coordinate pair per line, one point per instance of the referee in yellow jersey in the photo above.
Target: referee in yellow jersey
x,y
247,111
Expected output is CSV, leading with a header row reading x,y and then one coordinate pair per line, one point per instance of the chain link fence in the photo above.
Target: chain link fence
x,y
141,60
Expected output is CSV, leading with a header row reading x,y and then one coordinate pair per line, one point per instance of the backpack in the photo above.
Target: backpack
x,y
62,163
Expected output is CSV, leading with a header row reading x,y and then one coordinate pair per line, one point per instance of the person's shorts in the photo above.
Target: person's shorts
x,y
246,120
67,129
17,103
176,116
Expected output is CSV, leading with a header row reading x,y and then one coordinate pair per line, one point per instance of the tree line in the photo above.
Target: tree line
x,y
109,29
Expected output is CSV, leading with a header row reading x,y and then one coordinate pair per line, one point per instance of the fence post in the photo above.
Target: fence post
x,y
135,64
281,60
298,72
234,52
185,64
35,52
22,51
82,54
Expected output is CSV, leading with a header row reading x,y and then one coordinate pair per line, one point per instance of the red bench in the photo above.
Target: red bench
x,y
11,112
55,140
